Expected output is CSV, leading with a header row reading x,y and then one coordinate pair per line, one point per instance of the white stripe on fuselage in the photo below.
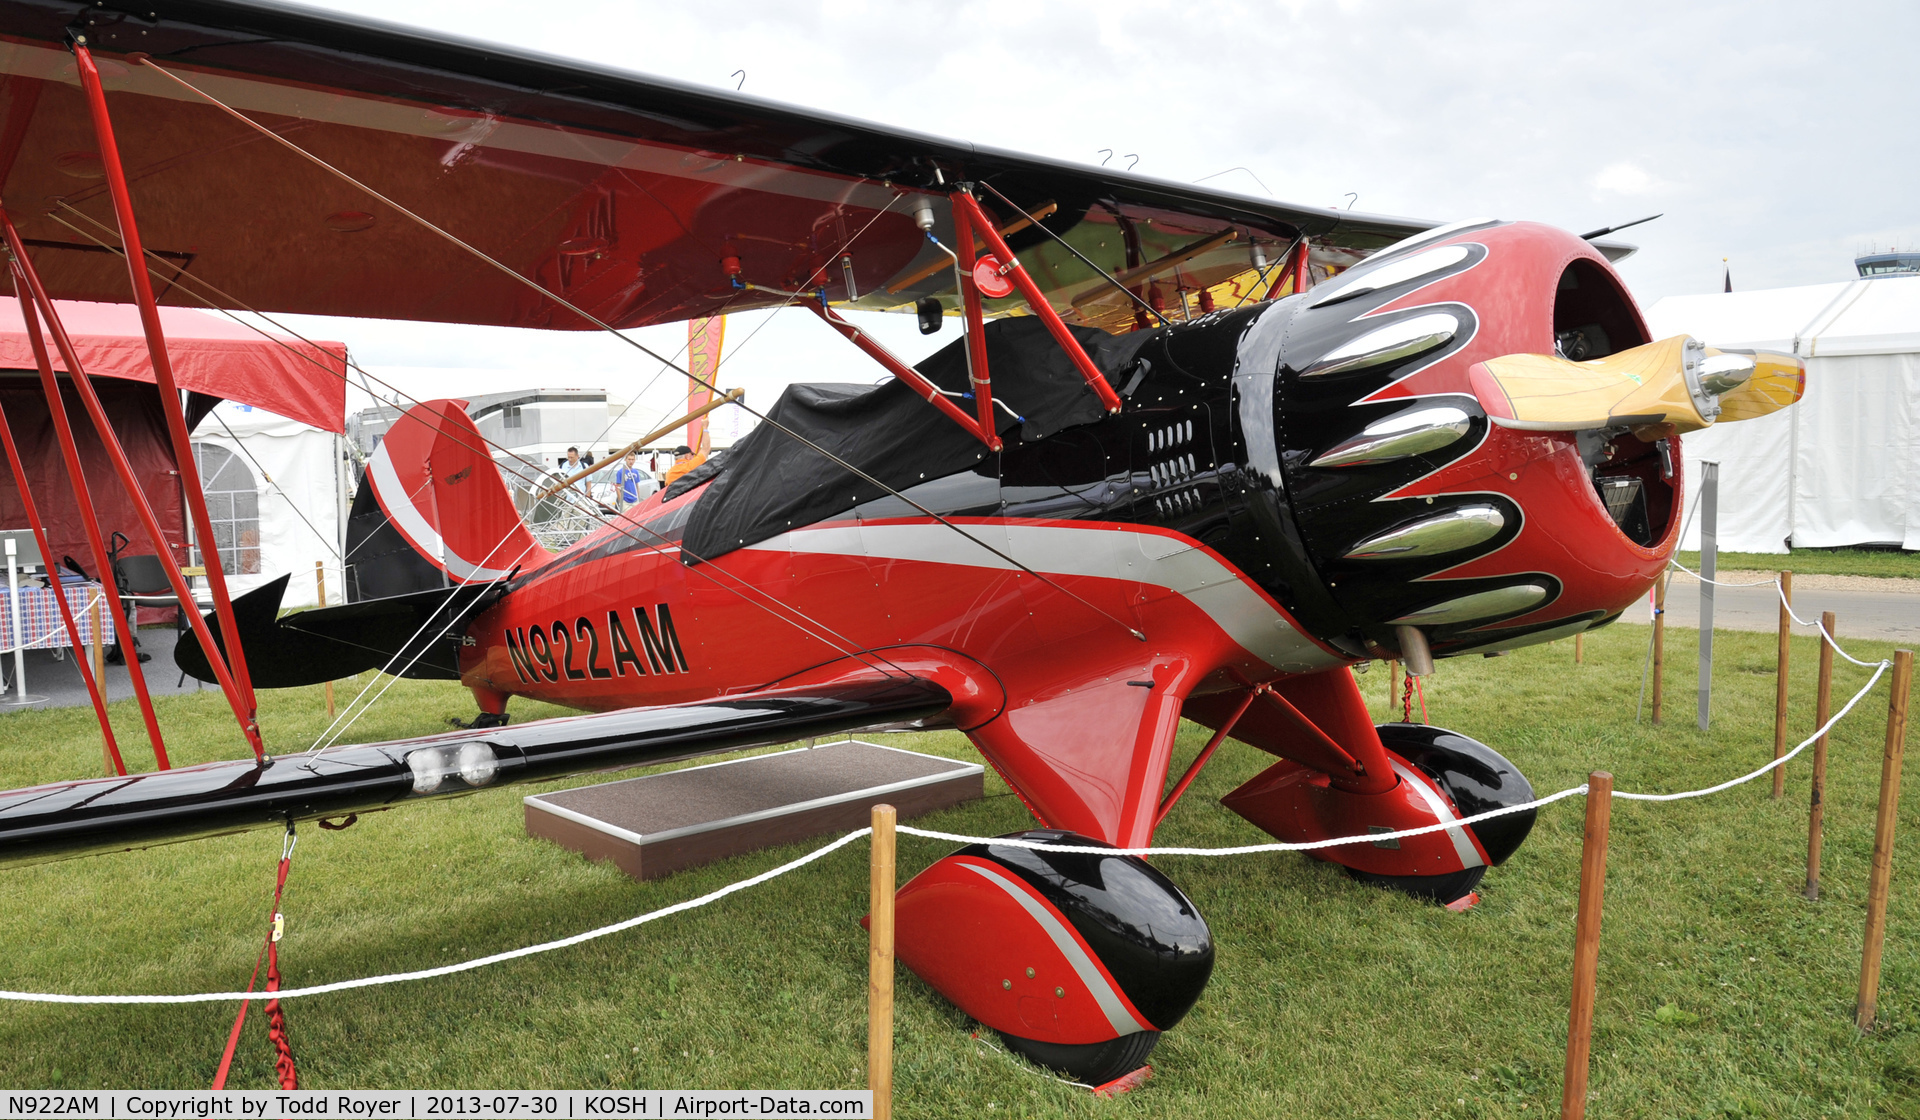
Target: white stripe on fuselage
x,y
1083,550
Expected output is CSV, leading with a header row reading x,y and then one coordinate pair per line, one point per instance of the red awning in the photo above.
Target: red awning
x,y
211,355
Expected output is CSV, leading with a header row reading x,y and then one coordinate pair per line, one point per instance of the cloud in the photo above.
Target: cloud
x,y
1739,120
1628,179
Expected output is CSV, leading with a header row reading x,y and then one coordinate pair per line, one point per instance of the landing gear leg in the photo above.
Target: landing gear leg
x,y
493,709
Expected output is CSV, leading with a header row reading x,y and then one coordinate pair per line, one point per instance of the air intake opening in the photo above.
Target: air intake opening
x,y
1593,317
1633,479
1592,314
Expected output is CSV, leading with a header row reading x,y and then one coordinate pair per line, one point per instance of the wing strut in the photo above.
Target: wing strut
x,y
979,375
240,692
36,306
970,222
985,434
967,212
95,686
1298,265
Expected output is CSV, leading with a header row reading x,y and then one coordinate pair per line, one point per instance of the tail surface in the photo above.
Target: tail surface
x,y
434,511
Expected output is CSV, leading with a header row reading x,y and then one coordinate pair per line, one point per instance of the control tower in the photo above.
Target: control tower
x,y
1887,264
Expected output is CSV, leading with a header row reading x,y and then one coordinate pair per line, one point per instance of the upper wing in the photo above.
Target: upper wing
x,y
622,194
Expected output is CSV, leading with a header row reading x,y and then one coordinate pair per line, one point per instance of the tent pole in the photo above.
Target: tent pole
x,y
83,498
169,394
28,281
59,593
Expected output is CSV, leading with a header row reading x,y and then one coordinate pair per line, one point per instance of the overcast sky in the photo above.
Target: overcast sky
x,y
1777,135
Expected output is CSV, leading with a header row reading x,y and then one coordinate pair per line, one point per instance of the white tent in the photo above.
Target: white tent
x,y
276,492
1842,467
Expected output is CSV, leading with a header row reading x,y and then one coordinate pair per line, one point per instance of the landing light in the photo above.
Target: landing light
x,y
473,763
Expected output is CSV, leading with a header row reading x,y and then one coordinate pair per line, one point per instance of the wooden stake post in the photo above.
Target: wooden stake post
x,y
1882,872
1586,945
320,582
1393,690
1822,712
1579,648
1780,687
880,964
1659,643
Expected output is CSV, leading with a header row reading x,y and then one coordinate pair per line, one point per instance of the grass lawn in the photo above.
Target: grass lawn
x,y
1724,993
1884,563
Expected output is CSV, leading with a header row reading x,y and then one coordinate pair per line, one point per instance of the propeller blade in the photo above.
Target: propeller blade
x,y
1676,382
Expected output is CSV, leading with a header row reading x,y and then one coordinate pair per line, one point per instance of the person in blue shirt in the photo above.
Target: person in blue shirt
x,y
630,483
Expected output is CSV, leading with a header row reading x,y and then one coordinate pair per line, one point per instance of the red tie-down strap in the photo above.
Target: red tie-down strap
x,y
270,953
1406,699
277,1020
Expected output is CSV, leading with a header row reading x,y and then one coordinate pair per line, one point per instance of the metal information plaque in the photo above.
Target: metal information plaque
x,y
408,1104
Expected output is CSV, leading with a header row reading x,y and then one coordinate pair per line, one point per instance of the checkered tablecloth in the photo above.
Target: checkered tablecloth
x,y
40,623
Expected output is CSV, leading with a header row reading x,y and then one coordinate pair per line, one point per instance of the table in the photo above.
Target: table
x,y
40,624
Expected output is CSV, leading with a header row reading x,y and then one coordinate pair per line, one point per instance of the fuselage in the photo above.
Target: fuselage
x,y
1218,502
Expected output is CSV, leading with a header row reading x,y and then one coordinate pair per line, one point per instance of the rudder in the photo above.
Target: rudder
x,y
433,510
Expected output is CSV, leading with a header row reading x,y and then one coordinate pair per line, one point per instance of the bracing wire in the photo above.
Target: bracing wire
x,y
1104,274
588,317
453,617
277,487
812,626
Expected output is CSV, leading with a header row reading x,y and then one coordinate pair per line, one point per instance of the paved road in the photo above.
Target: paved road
x,y
1884,615
60,679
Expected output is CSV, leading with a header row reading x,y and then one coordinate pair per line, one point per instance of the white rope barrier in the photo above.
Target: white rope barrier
x,y
1781,592
463,966
1720,582
1822,628
1879,671
1245,849
1371,837
953,837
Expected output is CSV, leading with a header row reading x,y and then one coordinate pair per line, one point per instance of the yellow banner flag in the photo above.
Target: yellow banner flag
x,y
703,364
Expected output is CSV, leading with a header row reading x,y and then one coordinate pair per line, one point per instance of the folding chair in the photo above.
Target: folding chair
x,y
141,581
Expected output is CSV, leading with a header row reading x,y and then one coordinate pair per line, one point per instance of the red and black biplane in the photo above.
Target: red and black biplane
x,y
1194,455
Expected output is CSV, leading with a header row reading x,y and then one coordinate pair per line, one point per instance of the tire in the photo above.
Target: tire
x,y
1443,889
1094,1063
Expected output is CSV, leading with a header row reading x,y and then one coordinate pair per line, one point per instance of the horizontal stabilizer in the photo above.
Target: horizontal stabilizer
x,y
1676,381
416,635
67,819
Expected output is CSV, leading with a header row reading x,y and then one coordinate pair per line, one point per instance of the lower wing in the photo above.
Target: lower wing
x,y
65,819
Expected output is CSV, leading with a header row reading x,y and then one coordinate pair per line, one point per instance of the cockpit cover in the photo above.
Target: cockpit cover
x,y
771,482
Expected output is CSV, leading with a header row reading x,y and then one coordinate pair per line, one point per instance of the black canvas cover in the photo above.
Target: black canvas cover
x,y
771,482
